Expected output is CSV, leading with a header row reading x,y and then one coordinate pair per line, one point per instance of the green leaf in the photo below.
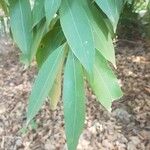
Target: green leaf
x,y
55,92
102,37
51,7
77,29
38,12
104,45
52,40
38,34
112,8
74,101
105,84
44,82
54,21
21,24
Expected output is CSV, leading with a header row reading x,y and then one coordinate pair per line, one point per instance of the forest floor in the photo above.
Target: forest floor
x,y
126,128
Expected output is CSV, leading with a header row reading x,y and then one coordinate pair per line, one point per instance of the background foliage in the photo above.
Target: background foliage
x,y
135,20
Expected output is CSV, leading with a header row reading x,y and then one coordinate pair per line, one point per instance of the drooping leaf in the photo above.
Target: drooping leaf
x,y
104,45
52,40
51,7
38,12
74,101
112,8
77,29
44,82
102,37
21,24
105,85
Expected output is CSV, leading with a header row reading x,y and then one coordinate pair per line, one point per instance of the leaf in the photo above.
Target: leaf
x,y
105,84
21,24
102,37
44,82
55,92
53,22
38,34
51,7
74,101
112,8
38,12
104,45
52,40
77,29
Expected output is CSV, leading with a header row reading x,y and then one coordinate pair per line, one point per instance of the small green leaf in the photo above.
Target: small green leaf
x,y
77,29
21,24
74,101
105,84
44,82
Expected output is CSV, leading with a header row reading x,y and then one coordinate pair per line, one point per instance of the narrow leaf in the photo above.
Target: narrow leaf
x,y
102,37
77,29
20,21
44,82
74,101
105,84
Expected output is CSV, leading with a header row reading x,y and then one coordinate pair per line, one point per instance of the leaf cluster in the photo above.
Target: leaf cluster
x,y
71,41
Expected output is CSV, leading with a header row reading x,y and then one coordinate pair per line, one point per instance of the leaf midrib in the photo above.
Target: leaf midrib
x,y
76,30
